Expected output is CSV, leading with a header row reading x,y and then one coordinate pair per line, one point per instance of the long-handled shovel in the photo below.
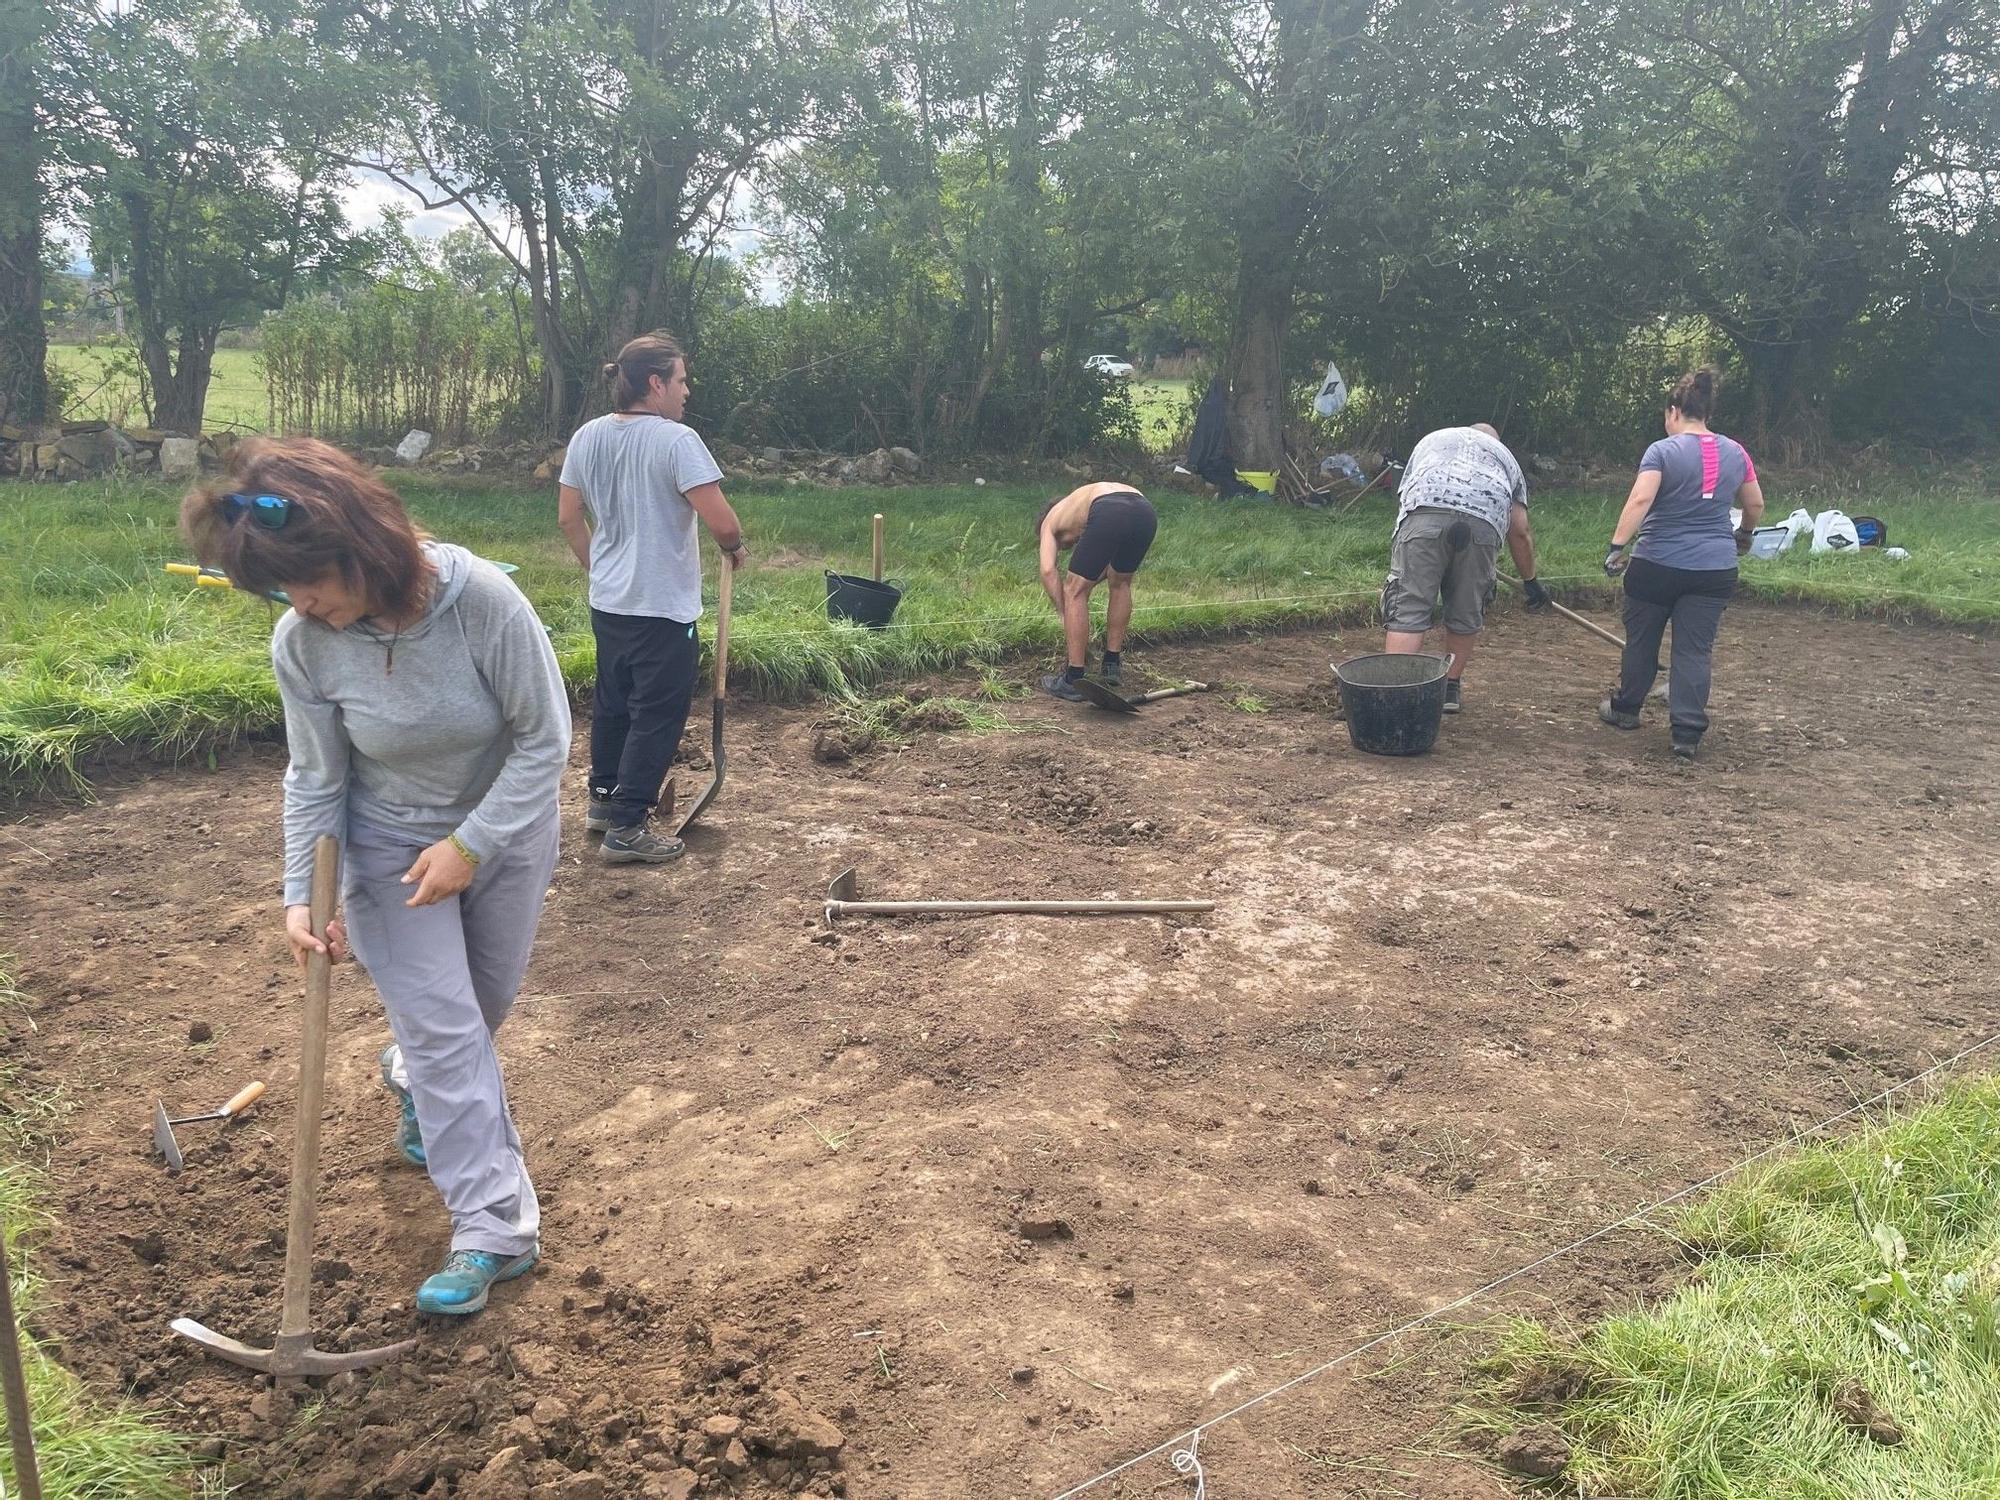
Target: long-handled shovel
x,y
1659,689
27,1478
1569,614
1103,697
292,1352
723,585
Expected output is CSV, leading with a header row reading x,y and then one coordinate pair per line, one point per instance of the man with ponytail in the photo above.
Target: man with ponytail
x,y
633,483
1682,568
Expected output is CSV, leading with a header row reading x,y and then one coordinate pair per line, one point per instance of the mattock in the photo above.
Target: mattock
x,y
292,1351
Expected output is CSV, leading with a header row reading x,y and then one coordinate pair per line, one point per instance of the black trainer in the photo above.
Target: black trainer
x,y
639,845
1109,672
1616,717
599,816
1058,686
1685,745
1453,701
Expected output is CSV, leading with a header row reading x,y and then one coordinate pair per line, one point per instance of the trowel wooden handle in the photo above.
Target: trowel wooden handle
x,y
246,1096
878,546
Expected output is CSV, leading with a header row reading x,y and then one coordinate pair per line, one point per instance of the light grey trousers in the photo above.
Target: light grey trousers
x,y
447,974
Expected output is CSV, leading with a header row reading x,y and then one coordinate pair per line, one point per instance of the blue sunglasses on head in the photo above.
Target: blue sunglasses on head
x,y
269,511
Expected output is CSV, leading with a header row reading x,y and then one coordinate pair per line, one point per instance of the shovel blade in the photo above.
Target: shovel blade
x,y
715,783
1102,697
163,1138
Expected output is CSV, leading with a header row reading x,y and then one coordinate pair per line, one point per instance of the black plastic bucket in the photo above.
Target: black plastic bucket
x,y
1394,703
862,600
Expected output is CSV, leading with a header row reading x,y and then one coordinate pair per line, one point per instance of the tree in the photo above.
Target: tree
x,y
23,335
1804,141
207,161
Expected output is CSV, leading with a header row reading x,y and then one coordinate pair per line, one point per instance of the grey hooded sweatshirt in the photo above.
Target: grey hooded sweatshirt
x,y
464,729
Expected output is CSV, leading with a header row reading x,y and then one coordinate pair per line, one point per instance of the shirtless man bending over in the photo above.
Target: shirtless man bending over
x,y
1106,528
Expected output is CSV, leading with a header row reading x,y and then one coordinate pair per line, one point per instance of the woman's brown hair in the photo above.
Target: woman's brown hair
x,y
1694,395
338,517
630,373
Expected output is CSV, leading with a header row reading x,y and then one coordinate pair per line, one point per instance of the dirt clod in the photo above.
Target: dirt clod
x,y
199,1032
1855,1405
1045,1229
1539,1451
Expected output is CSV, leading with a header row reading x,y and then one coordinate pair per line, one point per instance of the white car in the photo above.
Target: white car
x,y
1105,364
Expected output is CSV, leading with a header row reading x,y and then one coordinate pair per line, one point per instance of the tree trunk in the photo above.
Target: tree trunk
x,y
1267,265
23,335
180,391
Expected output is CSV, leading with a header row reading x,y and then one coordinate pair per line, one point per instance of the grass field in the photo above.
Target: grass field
x,y
84,1451
1162,406
1843,1282
99,649
109,391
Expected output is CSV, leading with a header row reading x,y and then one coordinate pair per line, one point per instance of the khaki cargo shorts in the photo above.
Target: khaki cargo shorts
x,y
1437,554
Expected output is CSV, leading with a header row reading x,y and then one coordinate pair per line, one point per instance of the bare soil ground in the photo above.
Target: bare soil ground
x,y
1451,1012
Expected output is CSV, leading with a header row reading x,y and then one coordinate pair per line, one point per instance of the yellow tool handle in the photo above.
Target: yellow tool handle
x,y
188,568
248,1095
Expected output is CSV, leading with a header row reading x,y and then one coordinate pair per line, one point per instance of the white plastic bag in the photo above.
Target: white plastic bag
x,y
1798,524
1832,531
1332,392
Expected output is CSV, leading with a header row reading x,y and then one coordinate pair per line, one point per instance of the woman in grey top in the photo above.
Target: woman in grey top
x,y
1683,567
428,727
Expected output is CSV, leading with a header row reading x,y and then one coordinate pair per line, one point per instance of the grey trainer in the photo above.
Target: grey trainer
x,y
639,845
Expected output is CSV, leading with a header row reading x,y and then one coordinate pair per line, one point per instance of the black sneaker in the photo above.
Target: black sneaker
x,y
1109,672
1058,686
1452,699
1685,745
599,816
639,845
1616,717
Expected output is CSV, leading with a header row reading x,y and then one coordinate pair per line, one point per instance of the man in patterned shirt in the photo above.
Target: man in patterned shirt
x,y
1461,494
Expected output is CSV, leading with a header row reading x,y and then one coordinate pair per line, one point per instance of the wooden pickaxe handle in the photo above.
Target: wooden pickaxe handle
x,y
1023,908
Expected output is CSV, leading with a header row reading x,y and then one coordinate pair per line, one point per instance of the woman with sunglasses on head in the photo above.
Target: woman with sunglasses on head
x,y
429,727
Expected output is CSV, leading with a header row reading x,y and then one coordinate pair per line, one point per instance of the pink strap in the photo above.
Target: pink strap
x,y
1711,465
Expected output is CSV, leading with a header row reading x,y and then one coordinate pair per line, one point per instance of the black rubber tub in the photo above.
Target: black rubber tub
x,y
1394,703
862,600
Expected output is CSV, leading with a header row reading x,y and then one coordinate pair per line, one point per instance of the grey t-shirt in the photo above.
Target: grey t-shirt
x,y
459,724
645,553
1688,526
1461,468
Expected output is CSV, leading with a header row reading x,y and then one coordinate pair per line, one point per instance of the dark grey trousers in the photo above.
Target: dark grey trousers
x,y
1692,601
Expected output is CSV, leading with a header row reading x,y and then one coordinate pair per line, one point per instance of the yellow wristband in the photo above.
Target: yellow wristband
x,y
464,852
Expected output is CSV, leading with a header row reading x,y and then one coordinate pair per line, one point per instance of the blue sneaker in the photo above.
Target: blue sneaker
x,y
461,1284
409,1139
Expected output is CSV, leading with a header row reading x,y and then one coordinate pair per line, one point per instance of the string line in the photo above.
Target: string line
x,y
1192,1435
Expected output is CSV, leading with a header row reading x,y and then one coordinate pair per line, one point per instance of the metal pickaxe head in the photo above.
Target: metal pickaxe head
x,y
289,1354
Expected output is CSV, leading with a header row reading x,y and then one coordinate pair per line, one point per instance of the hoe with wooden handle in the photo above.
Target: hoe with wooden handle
x,y
841,902
292,1352
164,1123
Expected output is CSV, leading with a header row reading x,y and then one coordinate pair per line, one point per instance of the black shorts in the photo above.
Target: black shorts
x,y
1117,530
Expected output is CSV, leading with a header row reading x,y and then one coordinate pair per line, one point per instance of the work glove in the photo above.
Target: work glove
x,y
1615,559
1538,597
1743,542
